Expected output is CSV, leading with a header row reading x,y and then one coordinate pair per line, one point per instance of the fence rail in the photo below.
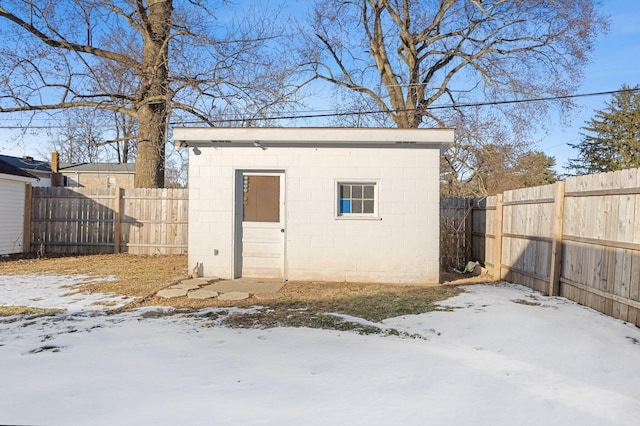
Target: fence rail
x,y
91,221
579,239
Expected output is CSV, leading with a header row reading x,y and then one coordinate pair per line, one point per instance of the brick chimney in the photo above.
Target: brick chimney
x,y
55,162
56,176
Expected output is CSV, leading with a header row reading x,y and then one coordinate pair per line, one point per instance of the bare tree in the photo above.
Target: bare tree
x,y
177,58
90,135
125,141
82,137
415,59
499,168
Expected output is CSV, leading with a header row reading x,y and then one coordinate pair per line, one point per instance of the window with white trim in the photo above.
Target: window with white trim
x,y
111,181
357,199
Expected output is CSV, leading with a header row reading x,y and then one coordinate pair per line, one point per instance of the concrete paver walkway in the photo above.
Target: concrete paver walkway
x,y
253,286
207,288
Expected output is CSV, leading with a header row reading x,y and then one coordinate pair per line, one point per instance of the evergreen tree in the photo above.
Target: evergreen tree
x,y
612,138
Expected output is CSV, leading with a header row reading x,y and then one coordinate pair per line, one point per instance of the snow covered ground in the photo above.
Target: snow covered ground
x,y
491,361
55,291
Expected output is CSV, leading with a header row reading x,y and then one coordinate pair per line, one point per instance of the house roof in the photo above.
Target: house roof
x,y
97,168
27,163
40,166
265,137
9,169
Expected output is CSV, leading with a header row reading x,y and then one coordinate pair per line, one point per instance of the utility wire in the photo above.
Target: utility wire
x,y
429,108
351,113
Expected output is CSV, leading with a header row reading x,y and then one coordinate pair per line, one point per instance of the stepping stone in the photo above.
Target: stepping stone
x,y
210,287
196,281
234,295
172,292
185,286
202,294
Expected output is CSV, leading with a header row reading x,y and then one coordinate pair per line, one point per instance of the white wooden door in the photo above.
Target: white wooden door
x,y
263,225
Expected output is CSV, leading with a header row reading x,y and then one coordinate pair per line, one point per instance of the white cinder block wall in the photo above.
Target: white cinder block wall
x,y
399,247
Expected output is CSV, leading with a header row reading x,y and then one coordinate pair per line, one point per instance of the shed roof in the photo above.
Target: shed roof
x,y
98,168
265,137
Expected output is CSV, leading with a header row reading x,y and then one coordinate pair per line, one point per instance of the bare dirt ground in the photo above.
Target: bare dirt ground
x,y
143,276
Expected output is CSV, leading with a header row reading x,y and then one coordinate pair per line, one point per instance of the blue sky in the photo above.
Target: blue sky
x,y
616,61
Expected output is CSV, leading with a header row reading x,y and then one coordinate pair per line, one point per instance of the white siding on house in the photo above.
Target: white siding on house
x,y
12,195
400,246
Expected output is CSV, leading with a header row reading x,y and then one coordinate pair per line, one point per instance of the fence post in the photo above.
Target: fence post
x,y
117,224
26,236
556,244
497,246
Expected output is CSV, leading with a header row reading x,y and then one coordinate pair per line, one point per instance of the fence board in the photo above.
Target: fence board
x,y
598,253
83,220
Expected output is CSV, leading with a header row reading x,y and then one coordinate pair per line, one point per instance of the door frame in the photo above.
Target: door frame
x,y
238,180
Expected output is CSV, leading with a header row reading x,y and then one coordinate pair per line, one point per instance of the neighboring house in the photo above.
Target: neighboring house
x,y
315,204
13,192
92,175
98,175
38,168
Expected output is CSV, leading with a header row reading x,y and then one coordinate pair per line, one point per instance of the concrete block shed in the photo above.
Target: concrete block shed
x,y
317,204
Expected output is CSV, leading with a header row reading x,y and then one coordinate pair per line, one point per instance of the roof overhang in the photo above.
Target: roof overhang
x,y
332,137
16,178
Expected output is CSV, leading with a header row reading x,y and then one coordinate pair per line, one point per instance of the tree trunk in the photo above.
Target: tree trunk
x,y
154,96
151,151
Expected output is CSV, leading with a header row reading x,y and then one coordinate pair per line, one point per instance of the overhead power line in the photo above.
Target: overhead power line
x,y
433,107
370,112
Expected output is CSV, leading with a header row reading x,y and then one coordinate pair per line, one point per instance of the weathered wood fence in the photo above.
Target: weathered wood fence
x,y
579,239
90,221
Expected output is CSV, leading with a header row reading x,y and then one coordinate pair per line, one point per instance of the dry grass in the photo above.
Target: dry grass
x,y
137,276
6,311
451,277
296,304
370,301
370,304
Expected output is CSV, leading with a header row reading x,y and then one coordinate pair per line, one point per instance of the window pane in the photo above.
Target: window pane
x,y
368,192
367,206
356,198
345,191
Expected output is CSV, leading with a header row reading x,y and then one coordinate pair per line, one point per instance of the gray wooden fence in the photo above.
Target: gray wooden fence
x,y
90,221
579,239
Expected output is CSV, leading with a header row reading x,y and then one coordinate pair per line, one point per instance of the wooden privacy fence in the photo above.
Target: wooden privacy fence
x,y
579,239
91,221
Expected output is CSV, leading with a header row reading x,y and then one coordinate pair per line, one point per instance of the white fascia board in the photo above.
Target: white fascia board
x,y
18,178
312,136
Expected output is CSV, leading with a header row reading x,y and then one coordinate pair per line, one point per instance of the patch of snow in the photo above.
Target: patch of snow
x,y
494,362
360,321
56,292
